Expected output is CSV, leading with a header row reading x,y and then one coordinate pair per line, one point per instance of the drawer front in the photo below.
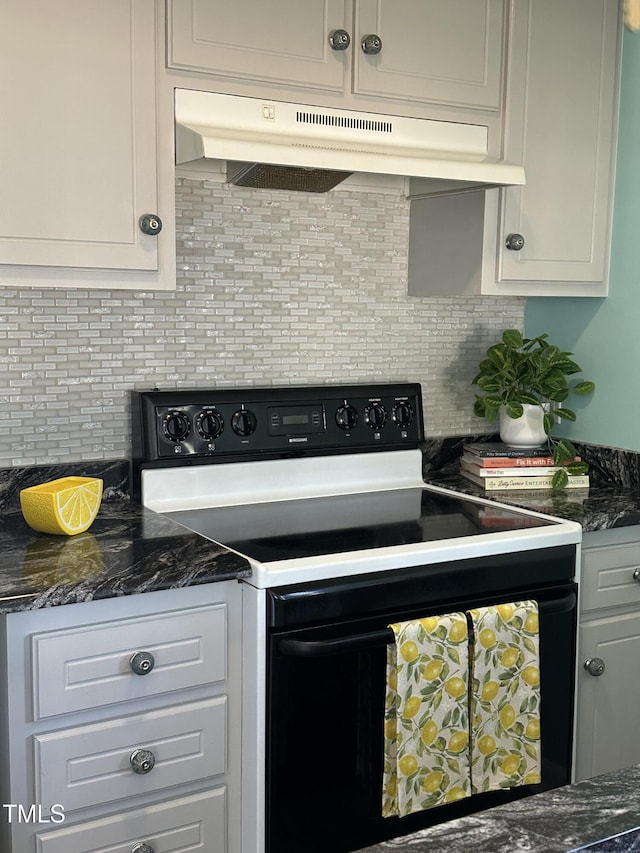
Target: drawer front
x,y
196,823
89,667
91,765
608,577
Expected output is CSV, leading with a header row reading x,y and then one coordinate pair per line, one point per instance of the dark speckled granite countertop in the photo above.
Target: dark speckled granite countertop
x,y
564,819
612,499
127,550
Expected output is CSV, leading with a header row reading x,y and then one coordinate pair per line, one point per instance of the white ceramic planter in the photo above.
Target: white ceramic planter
x,y
527,431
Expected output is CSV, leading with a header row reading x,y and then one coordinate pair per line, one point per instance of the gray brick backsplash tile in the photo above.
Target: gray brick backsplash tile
x,y
272,288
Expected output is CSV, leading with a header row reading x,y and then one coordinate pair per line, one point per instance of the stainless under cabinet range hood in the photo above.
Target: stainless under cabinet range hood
x,y
280,145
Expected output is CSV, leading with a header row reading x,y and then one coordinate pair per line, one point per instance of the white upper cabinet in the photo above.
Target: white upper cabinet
x,y
282,41
561,118
440,51
79,161
416,56
550,237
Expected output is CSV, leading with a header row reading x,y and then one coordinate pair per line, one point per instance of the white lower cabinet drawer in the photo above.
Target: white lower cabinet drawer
x,y
609,577
194,823
93,764
92,666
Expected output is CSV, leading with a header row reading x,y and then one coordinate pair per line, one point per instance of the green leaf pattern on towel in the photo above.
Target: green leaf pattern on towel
x,y
427,715
505,696
462,709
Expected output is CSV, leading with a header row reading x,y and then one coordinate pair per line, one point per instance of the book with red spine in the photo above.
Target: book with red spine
x,y
509,470
511,461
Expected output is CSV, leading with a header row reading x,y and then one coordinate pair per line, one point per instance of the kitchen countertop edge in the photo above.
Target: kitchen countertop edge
x,y
128,549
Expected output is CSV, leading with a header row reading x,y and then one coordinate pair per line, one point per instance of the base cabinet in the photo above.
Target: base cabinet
x,y
140,741
608,653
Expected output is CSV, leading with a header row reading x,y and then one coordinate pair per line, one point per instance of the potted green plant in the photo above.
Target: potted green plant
x,y
520,373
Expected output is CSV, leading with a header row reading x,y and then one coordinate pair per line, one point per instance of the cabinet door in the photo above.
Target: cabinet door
x,y
560,123
444,51
283,41
78,147
607,706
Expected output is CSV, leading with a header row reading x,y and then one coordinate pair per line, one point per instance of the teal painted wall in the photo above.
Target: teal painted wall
x,y
604,334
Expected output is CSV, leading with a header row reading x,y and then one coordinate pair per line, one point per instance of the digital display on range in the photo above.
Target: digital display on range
x,y
290,420
295,420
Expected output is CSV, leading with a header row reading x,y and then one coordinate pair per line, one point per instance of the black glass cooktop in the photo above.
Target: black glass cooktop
x,y
285,530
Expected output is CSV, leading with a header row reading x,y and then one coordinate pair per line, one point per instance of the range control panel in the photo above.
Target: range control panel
x,y
221,423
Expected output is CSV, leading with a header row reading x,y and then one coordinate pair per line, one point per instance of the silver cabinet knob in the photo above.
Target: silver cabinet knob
x,y
514,242
142,761
339,39
150,223
141,847
594,666
636,576
371,44
142,663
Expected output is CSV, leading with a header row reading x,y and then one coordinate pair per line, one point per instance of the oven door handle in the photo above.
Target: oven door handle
x,y
384,637
322,648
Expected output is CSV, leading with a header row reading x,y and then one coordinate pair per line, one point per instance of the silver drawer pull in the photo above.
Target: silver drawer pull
x,y
142,761
141,847
594,666
636,576
142,663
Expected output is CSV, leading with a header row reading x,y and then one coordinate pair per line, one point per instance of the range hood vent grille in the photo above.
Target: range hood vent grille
x,y
264,176
355,123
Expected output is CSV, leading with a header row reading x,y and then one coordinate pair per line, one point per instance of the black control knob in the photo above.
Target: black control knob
x,y
209,424
375,415
176,426
346,417
243,422
403,414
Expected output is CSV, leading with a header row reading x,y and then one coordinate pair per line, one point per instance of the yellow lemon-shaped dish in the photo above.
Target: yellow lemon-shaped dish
x,y
65,507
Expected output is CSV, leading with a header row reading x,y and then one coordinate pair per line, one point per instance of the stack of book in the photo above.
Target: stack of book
x,y
495,467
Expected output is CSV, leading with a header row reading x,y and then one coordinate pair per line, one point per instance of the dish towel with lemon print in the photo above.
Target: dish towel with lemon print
x,y
505,696
426,732
462,710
